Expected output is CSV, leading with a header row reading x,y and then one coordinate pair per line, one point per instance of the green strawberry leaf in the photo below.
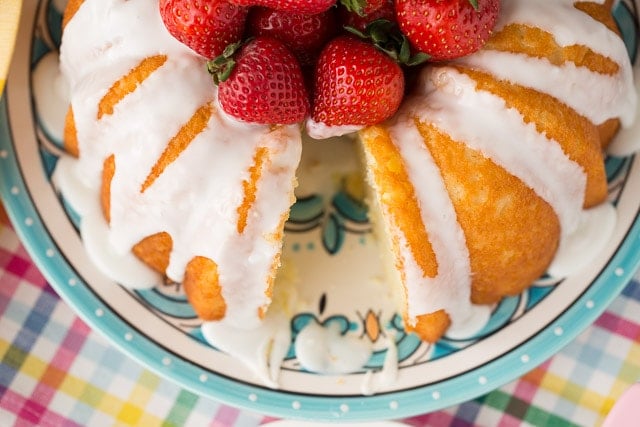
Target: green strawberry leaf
x,y
474,4
356,6
417,59
222,66
387,37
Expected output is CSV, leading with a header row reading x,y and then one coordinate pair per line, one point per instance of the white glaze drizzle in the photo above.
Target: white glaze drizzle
x,y
376,381
122,267
595,96
50,88
324,349
626,141
105,40
319,130
477,318
581,248
262,348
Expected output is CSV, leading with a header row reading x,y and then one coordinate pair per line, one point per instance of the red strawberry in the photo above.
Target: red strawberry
x,y
303,34
447,29
380,9
264,85
207,27
308,7
355,85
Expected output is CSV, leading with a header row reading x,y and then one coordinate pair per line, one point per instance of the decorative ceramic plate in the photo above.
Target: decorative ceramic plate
x,y
329,245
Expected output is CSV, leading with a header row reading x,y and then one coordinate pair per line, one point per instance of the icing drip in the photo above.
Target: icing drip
x,y
325,350
96,53
385,377
582,247
450,289
626,141
595,96
262,349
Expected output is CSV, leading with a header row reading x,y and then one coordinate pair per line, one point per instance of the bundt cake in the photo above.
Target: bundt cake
x,y
493,159
490,163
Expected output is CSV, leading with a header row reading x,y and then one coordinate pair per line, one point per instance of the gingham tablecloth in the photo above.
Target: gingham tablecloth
x,y
56,371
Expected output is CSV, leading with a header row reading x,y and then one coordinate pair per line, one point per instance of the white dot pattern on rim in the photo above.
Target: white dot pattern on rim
x,y
590,304
619,272
393,405
50,253
524,358
28,221
435,395
15,191
253,397
4,154
482,380
166,361
558,331
296,405
128,336
203,378
72,282
344,408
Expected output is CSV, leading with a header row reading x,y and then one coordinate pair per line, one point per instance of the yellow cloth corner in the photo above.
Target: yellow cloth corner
x,y
9,18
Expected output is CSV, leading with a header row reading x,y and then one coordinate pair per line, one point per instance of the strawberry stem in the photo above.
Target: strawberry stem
x,y
356,6
387,37
474,4
222,66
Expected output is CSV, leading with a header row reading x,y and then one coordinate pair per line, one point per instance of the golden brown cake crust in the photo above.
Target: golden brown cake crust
x,y
108,171
511,233
128,83
201,284
430,327
155,251
70,134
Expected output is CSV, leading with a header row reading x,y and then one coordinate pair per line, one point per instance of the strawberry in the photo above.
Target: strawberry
x,y
261,83
303,34
356,85
207,27
360,17
447,29
309,7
